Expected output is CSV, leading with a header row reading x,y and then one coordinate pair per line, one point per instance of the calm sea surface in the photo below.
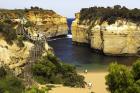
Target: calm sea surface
x,y
83,58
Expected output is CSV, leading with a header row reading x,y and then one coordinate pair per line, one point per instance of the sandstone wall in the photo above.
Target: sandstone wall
x,y
79,32
16,57
48,22
53,25
120,38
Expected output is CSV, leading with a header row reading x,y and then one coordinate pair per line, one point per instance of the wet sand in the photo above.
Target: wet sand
x,y
96,78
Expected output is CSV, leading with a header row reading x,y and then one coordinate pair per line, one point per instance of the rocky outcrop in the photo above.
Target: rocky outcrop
x,y
48,22
15,57
79,32
26,39
39,20
119,38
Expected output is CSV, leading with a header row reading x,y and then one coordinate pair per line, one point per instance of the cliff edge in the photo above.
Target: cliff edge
x,y
109,33
24,33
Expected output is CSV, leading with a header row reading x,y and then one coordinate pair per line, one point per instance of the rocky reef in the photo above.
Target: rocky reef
x,y
120,37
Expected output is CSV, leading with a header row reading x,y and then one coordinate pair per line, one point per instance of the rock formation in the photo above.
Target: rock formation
x,y
15,57
39,20
49,22
21,33
119,38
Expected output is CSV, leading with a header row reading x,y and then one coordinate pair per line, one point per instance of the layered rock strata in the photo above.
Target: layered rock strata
x,y
30,25
39,20
119,38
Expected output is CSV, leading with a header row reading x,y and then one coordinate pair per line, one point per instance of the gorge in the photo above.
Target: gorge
x,y
42,47
83,57
25,55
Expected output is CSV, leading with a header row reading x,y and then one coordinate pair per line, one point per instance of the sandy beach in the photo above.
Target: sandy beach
x,y
96,78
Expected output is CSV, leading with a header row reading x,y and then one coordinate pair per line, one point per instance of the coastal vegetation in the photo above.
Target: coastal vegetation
x,y
7,30
12,84
46,68
9,83
49,69
122,79
109,14
103,27
19,13
10,33
8,24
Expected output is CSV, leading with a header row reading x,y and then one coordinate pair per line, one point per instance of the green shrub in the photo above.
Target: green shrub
x,y
74,80
49,69
40,79
135,88
56,79
3,73
67,68
8,32
119,78
36,90
136,70
109,14
11,84
122,79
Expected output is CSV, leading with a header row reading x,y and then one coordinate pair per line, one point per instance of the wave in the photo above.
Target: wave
x,y
69,36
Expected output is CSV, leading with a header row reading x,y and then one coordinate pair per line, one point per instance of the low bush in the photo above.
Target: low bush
x,y
49,69
109,14
136,70
122,79
34,89
74,80
3,72
11,84
9,32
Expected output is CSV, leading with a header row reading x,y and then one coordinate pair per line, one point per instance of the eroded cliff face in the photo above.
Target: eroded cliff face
x,y
15,57
31,27
119,38
50,23
79,32
39,20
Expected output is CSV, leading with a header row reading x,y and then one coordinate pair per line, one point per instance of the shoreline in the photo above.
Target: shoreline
x,y
96,78
101,51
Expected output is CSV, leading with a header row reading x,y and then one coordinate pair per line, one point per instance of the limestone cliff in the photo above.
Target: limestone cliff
x,y
119,38
23,36
39,20
15,57
49,22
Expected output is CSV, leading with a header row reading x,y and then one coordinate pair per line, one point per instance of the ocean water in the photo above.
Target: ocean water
x,y
83,57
